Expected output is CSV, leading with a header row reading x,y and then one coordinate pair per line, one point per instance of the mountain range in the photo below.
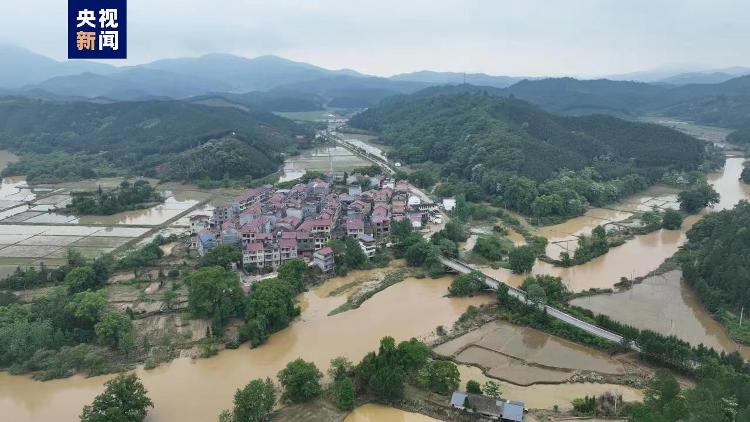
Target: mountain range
x,y
271,83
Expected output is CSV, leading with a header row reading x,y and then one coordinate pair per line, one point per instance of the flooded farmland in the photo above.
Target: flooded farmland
x,y
525,356
666,305
546,396
412,308
320,159
379,413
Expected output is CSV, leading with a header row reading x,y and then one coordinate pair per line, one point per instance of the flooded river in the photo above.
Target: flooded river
x,y
641,255
412,308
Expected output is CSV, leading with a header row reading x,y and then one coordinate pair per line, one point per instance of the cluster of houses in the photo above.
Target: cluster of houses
x,y
272,226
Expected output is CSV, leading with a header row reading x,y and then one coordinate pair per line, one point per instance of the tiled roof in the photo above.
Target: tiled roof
x,y
325,251
254,247
355,224
288,243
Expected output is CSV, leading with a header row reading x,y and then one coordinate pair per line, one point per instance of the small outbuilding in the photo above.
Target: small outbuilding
x,y
489,407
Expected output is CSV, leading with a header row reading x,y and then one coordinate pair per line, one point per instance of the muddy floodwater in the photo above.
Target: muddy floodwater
x,y
378,413
666,305
197,390
641,255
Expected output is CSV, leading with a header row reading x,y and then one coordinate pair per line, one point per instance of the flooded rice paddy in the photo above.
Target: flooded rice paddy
x,y
546,396
321,159
525,356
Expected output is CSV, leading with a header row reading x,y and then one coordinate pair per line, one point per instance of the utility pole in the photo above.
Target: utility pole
x,y
742,311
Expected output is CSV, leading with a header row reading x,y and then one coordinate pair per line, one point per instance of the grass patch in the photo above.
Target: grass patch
x,y
357,299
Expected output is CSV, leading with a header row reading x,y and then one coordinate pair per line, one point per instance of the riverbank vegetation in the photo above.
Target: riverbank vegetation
x,y
391,375
715,264
720,394
698,197
128,196
69,328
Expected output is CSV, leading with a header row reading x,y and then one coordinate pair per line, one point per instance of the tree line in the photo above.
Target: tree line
x,y
127,196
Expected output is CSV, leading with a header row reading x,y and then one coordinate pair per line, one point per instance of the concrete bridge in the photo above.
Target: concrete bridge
x,y
519,294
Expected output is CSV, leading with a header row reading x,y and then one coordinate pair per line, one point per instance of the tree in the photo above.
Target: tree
x,y
663,388
412,354
124,400
455,231
214,293
300,380
701,196
222,256
386,384
745,176
115,330
255,401
81,279
293,272
343,391
521,259
340,368
269,308
473,387
467,284
443,376
86,308
546,288
491,389
419,253
672,219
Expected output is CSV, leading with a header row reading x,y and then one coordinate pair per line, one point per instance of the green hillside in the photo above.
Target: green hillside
x,y
509,151
141,136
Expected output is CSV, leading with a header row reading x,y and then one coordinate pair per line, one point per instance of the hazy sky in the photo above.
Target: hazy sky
x,y
510,37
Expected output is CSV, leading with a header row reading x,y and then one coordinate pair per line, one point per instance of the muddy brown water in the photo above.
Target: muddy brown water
x,y
666,305
197,390
641,255
378,413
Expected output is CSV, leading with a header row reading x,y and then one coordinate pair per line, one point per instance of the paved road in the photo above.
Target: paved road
x,y
553,312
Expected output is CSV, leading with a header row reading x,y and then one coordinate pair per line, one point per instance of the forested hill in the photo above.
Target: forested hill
x,y
491,140
715,259
143,135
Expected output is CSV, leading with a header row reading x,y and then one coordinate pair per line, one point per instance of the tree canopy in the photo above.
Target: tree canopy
x,y
124,399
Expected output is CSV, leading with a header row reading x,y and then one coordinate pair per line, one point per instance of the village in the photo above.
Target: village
x,y
272,226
